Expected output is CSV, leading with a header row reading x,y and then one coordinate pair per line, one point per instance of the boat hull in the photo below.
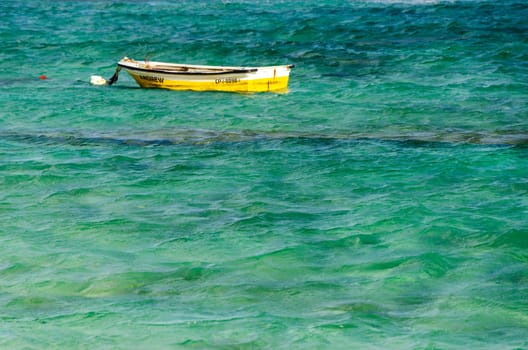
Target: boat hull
x,y
207,78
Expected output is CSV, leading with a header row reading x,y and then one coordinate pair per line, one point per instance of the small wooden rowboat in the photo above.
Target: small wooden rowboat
x,y
174,76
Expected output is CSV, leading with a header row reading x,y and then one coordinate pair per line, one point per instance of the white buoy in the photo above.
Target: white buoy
x,y
97,80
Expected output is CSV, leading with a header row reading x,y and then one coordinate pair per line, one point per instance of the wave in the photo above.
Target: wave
x,y
410,2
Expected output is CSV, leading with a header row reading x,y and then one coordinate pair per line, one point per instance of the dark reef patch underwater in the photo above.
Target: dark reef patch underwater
x,y
381,203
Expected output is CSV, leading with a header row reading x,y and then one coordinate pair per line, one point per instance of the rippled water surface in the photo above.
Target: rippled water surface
x,y
381,203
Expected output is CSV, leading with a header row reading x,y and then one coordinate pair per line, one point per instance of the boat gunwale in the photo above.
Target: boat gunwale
x,y
195,69
192,72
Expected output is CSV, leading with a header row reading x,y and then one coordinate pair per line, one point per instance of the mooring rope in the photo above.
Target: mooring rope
x,y
114,77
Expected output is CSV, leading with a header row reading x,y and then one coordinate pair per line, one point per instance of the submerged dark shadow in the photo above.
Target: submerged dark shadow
x,y
199,137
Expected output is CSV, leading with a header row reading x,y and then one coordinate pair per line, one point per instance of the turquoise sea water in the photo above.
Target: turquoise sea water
x,y
381,204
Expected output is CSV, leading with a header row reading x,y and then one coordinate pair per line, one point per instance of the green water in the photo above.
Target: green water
x,y
381,203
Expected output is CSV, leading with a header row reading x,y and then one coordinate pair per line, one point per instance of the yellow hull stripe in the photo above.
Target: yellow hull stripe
x,y
278,84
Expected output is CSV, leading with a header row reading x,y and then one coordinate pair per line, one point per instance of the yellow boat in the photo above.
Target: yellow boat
x,y
174,76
